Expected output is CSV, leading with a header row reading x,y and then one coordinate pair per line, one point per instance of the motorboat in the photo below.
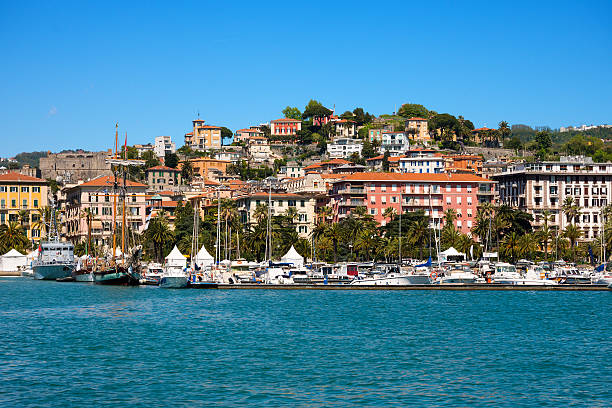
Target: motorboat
x,y
387,279
457,274
602,278
175,275
507,274
572,275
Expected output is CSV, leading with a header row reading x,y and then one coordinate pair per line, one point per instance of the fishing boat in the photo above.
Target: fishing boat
x,y
55,259
120,270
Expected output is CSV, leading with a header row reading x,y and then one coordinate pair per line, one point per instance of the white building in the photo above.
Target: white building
x,y
421,164
163,146
394,142
292,170
536,187
342,148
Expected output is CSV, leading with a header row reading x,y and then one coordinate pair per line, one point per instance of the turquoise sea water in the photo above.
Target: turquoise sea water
x,y
71,344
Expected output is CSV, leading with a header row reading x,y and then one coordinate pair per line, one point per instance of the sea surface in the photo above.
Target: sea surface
x,y
78,344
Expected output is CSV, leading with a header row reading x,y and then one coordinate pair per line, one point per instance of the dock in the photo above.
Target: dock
x,y
479,286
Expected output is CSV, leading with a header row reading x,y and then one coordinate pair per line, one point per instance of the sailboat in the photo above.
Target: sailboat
x,y
201,277
120,271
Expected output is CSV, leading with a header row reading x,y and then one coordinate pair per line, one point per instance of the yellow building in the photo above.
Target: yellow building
x,y
203,136
417,129
208,168
22,195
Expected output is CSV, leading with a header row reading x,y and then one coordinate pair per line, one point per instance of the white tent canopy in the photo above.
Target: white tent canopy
x,y
175,258
293,257
451,254
12,260
203,258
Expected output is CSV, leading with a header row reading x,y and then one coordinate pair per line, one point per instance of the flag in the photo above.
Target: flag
x,y
591,255
600,268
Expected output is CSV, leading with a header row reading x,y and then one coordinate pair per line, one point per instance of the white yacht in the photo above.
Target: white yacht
x,y
602,278
387,279
506,274
457,274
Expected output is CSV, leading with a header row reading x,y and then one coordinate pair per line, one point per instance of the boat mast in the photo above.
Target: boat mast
x,y
218,244
400,232
115,197
123,216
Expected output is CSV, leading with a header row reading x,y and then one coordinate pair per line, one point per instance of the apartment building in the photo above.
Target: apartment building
x,y
304,205
417,129
163,178
463,163
343,148
544,186
243,135
203,137
345,128
433,193
97,195
421,161
22,195
163,146
208,168
285,127
396,143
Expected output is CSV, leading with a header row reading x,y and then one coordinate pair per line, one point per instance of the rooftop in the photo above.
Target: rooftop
x,y
108,181
431,177
164,168
21,178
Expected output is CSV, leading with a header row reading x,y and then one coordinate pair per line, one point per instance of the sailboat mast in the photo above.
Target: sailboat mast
x,y
123,193
115,197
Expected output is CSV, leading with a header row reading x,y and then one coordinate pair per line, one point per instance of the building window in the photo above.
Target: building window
x,y
25,189
2,189
373,199
302,203
459,200
372,211
35,203
13,203
448,188
13,189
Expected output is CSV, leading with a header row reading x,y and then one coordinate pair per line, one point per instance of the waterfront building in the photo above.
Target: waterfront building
x,y
163,146
344,148
544,186
417,130
162,178
285,127
433,193
97,196
21,198
303,204
76,165
203,137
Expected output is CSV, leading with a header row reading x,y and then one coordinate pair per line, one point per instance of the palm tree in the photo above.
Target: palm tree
x,y
261,212
24,218
418,233
527,246
510,246
302,246
360,212
450,237
324,214
336,234
364,242
159,234
12,236
89,216
573,233
389,213
545,232
450,215
570,209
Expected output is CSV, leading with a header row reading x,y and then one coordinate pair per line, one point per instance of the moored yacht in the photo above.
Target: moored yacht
x,y
507,274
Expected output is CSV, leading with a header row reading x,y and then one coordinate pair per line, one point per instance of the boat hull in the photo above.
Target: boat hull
x,y
84,277
52,272
174,282
116,277
403,280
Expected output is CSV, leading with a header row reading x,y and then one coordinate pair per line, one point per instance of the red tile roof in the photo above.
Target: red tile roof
x,y
189,134
198,120
285,120
345,121
421,119
481,129
208,127
107,181
249,130
13,176
164,168
439,177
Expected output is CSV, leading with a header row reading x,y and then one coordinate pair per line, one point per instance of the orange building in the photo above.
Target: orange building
x,y
463,163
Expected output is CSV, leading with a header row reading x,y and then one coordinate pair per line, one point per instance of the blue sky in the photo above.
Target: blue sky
x,y
70,70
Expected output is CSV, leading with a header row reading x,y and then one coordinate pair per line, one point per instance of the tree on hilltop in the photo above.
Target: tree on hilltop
x,y
292,113
413,110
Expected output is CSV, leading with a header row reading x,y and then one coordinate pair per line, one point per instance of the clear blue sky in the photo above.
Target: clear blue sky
x,y
70,70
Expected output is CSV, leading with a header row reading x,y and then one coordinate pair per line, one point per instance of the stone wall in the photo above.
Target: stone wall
x,y
72,166
495,152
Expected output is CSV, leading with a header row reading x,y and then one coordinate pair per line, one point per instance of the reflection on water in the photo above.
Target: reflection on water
x,y
82,344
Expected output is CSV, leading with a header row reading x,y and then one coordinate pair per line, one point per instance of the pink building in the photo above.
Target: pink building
x,y
243,135
285,127
97,196
433,193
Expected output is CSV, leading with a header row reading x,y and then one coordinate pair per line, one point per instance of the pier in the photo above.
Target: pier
x,y
482,286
